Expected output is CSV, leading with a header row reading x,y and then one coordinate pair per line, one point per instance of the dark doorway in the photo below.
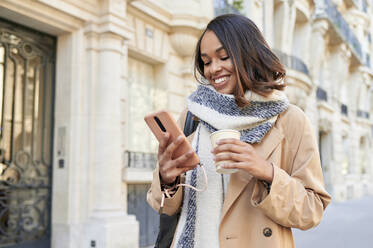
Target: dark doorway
x,y
27,68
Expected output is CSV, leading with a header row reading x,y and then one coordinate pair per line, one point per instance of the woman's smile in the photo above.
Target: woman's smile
x,y
219,83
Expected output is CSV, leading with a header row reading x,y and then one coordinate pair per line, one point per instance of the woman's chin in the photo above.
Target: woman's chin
x,y
224,90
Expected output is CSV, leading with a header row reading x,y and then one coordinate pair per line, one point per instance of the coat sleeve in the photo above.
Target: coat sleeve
x,y
154,196
296,199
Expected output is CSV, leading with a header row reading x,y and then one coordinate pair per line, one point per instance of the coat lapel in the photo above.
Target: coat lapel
x,y
239,180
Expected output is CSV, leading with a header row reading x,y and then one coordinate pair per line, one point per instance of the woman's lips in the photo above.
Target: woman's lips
x,y
220,82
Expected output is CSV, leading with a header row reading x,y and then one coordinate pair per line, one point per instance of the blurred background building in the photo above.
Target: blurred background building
x,y
78,76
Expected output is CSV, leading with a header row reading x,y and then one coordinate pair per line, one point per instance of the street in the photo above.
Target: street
x,y
345,225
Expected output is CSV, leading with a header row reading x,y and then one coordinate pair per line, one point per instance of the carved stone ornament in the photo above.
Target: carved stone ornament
x,y
184,42
345,51
320,26
325,125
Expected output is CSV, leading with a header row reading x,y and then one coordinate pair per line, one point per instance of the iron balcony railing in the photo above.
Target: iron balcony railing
x,y
344,109
292,62
362,114
222,7
326,9
321,94
138,160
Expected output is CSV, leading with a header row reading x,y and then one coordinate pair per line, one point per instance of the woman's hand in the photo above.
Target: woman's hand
x,y
244,157
170,169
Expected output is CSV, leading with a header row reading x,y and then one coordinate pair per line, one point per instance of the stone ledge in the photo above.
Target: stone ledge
x,y
321,105
137,175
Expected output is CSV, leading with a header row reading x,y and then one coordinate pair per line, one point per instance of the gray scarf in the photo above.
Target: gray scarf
x,y
218,111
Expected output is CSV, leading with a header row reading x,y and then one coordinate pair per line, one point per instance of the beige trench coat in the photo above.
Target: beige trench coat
x,y
253,218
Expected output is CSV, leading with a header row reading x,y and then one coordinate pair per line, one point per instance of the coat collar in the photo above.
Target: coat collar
x,y
239,180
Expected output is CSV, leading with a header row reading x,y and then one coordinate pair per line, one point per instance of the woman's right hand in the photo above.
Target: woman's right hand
x,y
170,169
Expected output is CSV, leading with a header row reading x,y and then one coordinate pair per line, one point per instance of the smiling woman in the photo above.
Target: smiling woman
x,y
245,56
278,183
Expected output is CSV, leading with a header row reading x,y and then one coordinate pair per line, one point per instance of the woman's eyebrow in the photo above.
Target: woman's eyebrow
x,y
217,50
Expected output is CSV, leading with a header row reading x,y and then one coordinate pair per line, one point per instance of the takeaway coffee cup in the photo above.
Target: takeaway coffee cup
x,y
223,134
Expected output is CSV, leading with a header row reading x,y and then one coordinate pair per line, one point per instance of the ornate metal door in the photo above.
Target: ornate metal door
x,y
27,62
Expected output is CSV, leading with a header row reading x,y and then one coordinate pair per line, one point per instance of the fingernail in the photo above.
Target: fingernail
x,y
179,138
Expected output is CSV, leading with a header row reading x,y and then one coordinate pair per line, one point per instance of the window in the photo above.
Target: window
x,y
143,97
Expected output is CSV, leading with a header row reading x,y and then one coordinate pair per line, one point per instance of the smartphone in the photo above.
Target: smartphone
x,y
161,122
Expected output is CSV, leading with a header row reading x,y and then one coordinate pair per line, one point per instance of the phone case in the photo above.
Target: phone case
x,y
161,122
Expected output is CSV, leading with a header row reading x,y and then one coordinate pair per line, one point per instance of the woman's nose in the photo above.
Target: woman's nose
x,y
215,67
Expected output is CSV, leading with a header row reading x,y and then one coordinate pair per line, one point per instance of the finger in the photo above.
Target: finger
x,y
229,148
230,156
231,141
239,165
182,159
173,173
168,171
184,169
172,147
179,162
163,143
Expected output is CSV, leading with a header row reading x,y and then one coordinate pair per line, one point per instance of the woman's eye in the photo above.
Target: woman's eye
x,y
206,63
225,58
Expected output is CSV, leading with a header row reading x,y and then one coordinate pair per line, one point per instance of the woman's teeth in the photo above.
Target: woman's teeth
x,y
220,80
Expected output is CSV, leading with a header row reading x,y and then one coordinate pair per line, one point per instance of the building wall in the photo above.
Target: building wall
x,y
115,58
305,34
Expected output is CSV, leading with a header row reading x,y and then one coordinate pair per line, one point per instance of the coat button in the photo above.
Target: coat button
x,y
267,232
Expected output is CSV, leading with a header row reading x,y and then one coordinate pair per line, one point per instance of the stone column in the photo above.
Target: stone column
x,y
356,80
317,46
339,64
284,19
184,40
108,224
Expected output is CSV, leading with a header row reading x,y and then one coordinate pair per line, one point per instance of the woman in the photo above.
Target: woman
x,y
279,183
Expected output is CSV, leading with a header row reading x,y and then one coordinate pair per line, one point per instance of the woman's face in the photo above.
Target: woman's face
x,y
218,67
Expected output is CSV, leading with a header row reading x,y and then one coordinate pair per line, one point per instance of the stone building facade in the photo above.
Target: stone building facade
x,y
326,47
76,158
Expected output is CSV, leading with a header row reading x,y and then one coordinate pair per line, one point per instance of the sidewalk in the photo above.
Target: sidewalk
x,y
345,225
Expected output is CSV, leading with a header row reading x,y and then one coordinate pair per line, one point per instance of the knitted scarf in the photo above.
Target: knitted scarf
x,y
218,111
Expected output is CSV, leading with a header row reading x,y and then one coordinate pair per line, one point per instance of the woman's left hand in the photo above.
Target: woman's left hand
x,y
244,157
